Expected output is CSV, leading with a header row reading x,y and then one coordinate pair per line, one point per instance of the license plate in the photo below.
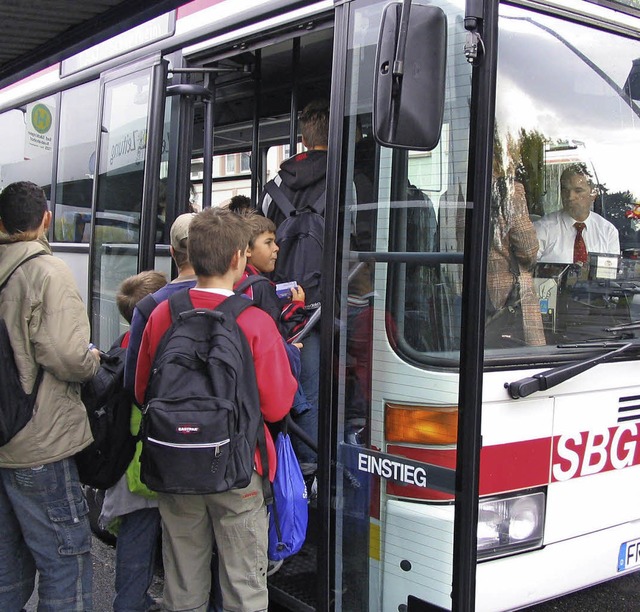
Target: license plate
x,y
629,555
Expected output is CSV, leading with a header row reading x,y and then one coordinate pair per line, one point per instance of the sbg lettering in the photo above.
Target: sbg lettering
x,y
592,452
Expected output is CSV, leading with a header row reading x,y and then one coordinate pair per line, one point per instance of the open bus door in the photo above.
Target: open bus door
x,y
399,494
391,490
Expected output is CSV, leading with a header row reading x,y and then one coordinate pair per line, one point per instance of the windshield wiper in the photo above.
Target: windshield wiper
x,y
555,376
624,327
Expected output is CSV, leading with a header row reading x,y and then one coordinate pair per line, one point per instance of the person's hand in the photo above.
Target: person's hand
x,y
298,345
297,294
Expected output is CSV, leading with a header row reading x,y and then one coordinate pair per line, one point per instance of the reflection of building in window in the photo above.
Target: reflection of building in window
x,y
230,164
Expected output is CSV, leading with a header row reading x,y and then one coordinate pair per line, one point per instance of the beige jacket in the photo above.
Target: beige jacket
x,y
48,325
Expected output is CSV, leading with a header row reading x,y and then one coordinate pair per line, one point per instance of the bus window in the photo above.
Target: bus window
x,y
76,163
564,121
411,204
116,229
231,176
28,143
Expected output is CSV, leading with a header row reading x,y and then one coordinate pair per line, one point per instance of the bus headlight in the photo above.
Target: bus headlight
x,y
510,524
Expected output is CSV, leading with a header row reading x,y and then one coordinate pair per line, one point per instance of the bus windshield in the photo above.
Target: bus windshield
x,y
565,209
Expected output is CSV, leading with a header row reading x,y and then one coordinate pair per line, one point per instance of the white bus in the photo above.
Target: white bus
x,y
462,465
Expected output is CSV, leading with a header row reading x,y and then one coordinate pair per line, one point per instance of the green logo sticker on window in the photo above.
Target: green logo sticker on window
x,y
41,118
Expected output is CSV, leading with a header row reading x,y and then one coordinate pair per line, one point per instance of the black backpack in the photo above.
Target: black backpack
x,y
108,404
300,238
16,406
201,420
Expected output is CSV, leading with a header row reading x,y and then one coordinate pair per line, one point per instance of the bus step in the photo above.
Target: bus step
x,y
294,585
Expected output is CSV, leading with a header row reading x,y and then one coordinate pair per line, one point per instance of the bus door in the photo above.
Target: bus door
x,y
258,83
128,209
395,331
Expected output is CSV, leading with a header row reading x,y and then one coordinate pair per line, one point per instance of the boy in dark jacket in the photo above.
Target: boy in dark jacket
x,y
302,179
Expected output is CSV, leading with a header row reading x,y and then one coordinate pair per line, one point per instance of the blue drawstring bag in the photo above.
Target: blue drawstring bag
x,y
289,513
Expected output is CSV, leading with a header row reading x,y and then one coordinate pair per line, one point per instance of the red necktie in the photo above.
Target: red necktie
x,y
579,247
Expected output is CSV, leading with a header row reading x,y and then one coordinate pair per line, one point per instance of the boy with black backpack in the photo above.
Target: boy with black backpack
x,y
132,515
220,501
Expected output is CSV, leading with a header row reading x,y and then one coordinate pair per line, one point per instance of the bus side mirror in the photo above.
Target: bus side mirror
x,y
408,107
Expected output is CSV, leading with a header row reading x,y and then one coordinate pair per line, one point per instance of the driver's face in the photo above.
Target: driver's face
x,y
577,196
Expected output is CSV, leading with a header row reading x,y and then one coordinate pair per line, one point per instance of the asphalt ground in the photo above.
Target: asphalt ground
x,y
619,595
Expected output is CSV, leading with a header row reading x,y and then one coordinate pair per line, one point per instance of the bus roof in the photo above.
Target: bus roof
x,y
33,39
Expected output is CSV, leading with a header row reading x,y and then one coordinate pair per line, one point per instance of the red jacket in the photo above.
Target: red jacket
x,y
276,384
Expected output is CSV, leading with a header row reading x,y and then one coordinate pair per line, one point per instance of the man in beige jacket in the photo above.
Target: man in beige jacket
x,y
42,509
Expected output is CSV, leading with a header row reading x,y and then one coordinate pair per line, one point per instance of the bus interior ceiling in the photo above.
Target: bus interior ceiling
x,y
267,71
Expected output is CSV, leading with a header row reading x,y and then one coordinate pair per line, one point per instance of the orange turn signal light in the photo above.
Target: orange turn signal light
x,y
421,424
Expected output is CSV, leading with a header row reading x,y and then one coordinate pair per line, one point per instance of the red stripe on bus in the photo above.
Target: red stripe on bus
x,y
503,467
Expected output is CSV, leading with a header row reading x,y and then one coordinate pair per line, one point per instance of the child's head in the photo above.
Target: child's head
x,y
179,234
134,288
215,237
23,205
240,204
263,250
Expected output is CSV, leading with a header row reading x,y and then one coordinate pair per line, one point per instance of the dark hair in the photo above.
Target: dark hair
x,y
215,235
22,207
134,288
577,168
314,124
239,204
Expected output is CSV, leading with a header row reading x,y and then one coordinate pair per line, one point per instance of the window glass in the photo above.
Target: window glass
x,y
76,163
120,178
567,143
399,300
28,143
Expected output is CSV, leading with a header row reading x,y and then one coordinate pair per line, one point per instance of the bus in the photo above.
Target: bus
x,y
475,452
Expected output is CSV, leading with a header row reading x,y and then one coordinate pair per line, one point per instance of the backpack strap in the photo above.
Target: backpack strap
x,y
319,204
146,306
280,199
286,208
252,279
32,256
179,302
40,374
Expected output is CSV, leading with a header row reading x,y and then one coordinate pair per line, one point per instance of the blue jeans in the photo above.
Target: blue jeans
x,y
310,383
135,559
45,526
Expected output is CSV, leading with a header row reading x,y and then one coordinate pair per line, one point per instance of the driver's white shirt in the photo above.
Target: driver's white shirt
x,y
556,236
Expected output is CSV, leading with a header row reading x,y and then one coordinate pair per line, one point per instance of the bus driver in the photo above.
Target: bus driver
x,y
568,235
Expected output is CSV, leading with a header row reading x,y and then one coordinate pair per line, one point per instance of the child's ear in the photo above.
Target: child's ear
x,y
46,221
237,261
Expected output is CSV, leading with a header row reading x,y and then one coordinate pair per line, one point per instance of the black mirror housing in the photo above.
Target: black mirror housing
x,y
408,110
